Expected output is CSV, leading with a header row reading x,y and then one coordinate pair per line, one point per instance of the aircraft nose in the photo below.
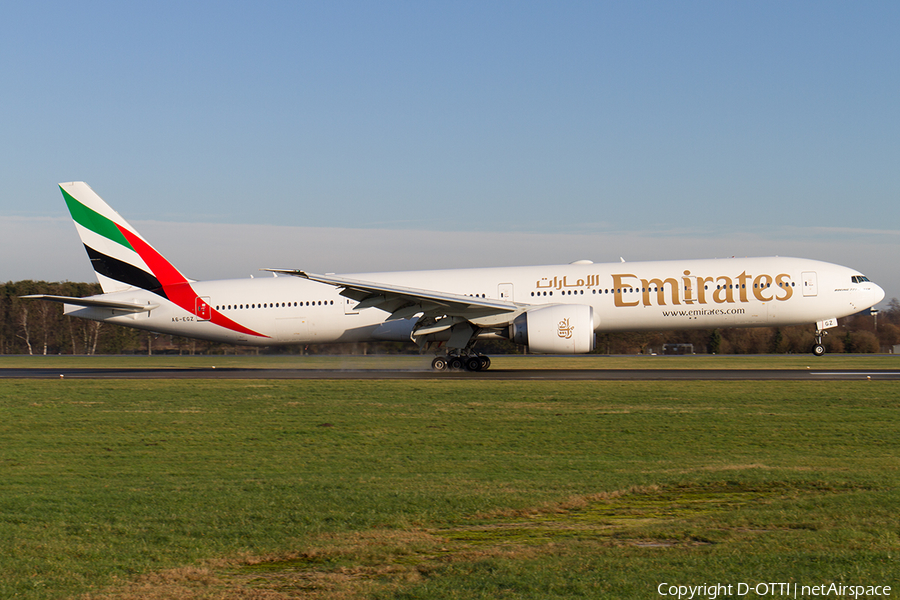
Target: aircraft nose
x,y
877,294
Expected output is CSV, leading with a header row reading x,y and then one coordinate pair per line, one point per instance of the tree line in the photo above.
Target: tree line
x,y
39,327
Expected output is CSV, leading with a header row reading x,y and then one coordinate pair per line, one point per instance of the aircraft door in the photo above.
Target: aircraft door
x,y
203,310
505,291
349,304
810,287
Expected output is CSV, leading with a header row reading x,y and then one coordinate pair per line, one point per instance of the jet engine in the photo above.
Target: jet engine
x,y
556,329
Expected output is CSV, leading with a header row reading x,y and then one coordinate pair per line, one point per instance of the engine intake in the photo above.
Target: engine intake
x,y
556,329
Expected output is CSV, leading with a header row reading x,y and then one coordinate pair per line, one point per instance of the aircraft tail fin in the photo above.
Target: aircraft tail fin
x,y
122,259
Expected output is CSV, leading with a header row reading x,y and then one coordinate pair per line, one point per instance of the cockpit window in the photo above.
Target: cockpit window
x,y
859,279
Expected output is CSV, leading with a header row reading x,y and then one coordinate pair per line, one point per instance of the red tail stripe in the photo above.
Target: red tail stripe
x,y
175,286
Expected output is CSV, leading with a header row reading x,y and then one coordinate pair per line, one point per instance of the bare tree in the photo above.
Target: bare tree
x,y
23,322
93,328
43,311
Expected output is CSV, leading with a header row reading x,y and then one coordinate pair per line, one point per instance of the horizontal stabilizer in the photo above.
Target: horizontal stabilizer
x,y
95,303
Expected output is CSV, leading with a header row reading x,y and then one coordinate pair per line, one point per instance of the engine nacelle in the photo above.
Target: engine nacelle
x,y
556,329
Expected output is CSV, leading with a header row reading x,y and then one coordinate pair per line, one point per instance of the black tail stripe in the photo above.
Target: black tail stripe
x,y
124,272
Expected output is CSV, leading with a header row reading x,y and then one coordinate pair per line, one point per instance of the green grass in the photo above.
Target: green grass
x,y
463,489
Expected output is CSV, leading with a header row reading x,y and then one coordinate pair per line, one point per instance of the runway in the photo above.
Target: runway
x,y
490,375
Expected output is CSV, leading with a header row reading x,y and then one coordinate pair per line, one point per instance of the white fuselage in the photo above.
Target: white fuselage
x,y
658,295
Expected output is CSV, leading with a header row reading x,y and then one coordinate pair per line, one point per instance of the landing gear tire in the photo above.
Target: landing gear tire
x,y
818,350
460,363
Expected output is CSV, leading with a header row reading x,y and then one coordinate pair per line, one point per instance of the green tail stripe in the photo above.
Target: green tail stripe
x,y
94,221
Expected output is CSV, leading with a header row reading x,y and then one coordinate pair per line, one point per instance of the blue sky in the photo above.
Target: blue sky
x,y
644,129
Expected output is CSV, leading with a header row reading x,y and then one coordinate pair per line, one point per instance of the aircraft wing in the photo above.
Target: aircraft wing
x,y
95,303
403,302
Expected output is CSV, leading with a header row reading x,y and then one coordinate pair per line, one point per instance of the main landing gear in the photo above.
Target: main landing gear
x,y
455,353
474,362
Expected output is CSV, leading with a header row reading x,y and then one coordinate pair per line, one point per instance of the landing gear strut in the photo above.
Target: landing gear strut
x,y
818,348
458,346
474,362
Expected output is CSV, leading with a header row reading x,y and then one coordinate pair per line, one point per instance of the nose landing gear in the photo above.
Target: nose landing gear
x,y
818,348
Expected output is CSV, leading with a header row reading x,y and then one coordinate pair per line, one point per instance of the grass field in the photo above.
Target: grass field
x,y
443,489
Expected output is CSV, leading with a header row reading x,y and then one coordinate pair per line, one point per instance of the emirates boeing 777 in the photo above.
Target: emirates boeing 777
x,y
555,309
